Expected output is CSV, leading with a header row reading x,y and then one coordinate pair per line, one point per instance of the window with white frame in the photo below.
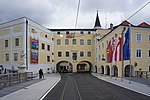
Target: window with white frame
x,y
15,56
7,57
58,42
81,53
6,43
89,54
67,53
99,57
88,42
59,54
74,41
138,37
138,53
16,41
66,41
81,42
102,45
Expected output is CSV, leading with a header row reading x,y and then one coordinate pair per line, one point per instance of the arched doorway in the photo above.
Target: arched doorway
x,y
107,70
64,66
114,71
84,66
102,69
127,70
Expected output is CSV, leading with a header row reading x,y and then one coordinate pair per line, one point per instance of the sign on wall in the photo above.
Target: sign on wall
x,y
34,51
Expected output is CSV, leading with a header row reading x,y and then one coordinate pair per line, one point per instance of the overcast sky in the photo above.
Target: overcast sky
x,y
62,13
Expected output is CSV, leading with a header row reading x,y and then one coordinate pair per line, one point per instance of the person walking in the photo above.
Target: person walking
x,y
40,73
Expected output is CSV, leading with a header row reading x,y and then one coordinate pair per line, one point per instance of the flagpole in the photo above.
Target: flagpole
x,y
130,50
122,52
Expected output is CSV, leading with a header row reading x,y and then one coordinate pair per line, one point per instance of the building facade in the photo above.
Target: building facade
x,y
24,41
75,50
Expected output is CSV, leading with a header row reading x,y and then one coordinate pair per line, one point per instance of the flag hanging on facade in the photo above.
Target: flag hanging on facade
x,y
114,47
126,46
118,51
109,50
69,35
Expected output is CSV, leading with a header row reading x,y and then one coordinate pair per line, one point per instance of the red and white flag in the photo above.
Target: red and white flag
x,y
114,47
118,51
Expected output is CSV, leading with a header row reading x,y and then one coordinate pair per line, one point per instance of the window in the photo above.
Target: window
x,y
81,32
89,42
138,37
74,56
6,43
7,57
48,47
138,53
15,56
67,32
59,54
89,54
58,42
48,58
89,32
102,56
43,46
53,60
74,41
107,42
52,53
58,33
81,42
148,37
52,39
67,54
81,53
45,36
66,41
149,53
102,45
99,57
99,47
17,42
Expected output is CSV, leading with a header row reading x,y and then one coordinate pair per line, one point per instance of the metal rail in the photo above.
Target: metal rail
x,y
14,78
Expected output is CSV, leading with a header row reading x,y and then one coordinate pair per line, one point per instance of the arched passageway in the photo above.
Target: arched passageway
x,y
102,69
107,70
84,66
127,70
114,71
64,66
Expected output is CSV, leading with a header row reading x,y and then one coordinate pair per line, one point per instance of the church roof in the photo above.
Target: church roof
x,y
97,22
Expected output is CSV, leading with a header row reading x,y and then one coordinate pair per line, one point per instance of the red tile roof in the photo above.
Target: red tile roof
x,y
144,24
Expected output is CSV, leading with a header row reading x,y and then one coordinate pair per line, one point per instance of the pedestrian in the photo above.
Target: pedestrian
x,y
40,73
141,74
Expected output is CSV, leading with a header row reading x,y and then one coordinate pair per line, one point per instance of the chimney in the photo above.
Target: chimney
x,y
111,26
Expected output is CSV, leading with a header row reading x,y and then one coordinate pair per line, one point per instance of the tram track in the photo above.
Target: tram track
x,y
74,85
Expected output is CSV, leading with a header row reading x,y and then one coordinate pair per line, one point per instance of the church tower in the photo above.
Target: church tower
x,y
97,22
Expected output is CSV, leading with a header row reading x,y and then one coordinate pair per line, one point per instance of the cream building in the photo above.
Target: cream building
x,y
24,37
72,50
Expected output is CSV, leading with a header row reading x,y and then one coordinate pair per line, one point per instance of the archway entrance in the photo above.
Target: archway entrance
x,y
107,70
64,67
114,71
102,69
84,66
127,70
